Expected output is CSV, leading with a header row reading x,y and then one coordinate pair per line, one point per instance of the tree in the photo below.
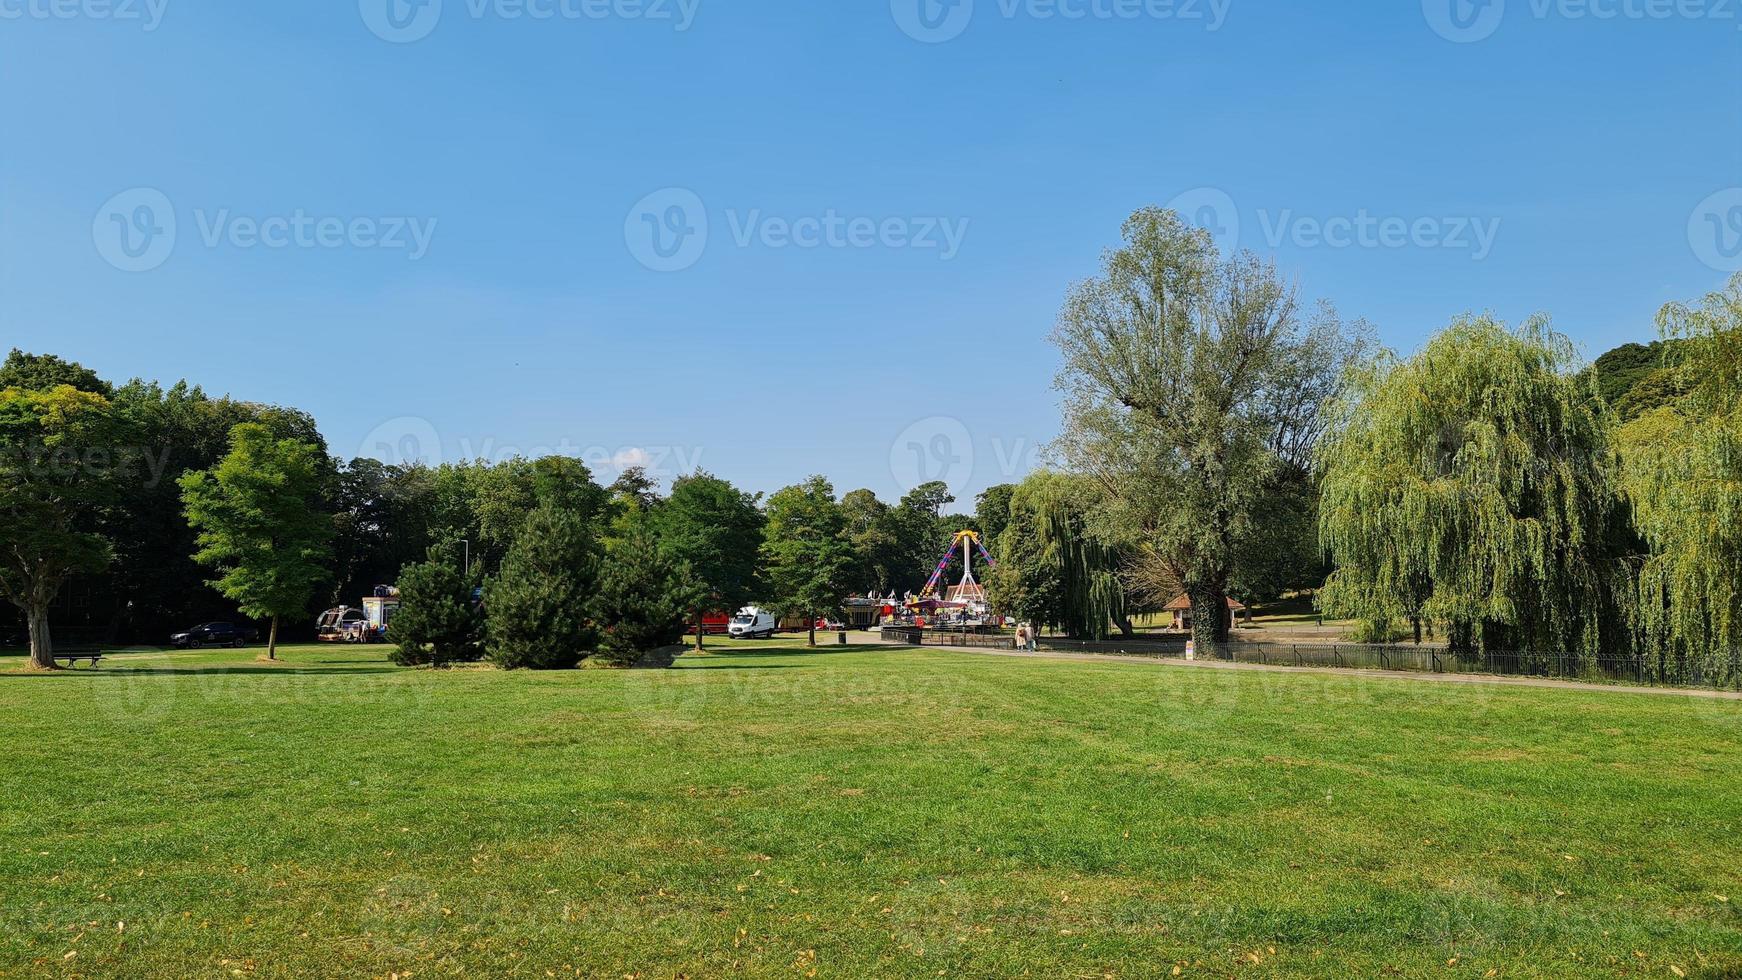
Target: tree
x,y
1189,382
155,583
539,607
43,372
1682,471
920,530
634,489
643,601
716,530
384,522
992,509
259,523
59,470
1474,485
1054,569
502,496
438,621
806,550
877,553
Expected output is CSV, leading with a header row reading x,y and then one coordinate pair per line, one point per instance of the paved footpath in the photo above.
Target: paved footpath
x,y
1407,675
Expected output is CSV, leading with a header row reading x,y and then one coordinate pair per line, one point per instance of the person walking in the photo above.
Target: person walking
x,y
1021,636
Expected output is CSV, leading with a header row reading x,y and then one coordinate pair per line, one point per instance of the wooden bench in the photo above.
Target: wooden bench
x,y
94,656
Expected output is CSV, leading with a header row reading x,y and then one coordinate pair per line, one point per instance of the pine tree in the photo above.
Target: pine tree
x,y
438,621
539,607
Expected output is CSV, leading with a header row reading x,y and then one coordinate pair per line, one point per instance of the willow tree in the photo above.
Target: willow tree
x,y
1190,382
1474,485
1054,567
1682,466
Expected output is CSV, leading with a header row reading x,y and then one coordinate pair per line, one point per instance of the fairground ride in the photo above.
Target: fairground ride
x,y
968,594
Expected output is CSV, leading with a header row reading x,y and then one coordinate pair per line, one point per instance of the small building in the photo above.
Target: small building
x,y
1181,609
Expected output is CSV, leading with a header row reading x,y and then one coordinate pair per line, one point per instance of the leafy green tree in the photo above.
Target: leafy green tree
x,y
501,497
715,530
1682,467
155,581
260,524
539,607
643,601
438,621
877,554
43,372
59,471
635,490
806,550
1474,485
384,522
1054,569
921,531
992,510
1190,381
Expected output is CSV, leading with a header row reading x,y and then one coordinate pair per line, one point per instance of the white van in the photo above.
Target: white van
x,y
752,622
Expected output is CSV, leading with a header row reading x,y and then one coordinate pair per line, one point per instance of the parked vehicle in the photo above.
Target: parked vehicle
x,y
350,624
215,635
753,623
713,624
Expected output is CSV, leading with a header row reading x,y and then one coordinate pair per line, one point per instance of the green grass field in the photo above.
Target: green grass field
x,y
855,812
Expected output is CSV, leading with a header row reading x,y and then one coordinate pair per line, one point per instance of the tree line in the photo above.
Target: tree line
x,y
1221,436
1490,490
158,507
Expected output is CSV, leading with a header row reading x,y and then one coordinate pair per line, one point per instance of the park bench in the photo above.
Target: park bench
x,y
73,657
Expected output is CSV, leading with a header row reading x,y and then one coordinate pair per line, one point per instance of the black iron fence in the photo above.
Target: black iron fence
x,y
1632,669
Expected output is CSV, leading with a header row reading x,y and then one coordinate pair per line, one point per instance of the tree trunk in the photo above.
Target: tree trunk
x,y
1209,618
41,644
1123,621
272,641
699,615
1461,639
813,618
1415,621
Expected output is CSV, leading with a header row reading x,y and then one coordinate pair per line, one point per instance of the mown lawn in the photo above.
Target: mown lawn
x,y
855,812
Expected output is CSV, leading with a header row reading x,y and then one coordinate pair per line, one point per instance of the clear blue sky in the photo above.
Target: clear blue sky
x,y
535,322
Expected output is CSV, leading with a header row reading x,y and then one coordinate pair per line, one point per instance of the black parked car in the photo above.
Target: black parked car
x,y
215,635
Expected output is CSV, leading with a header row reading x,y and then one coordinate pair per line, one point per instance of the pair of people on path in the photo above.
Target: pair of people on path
x,y
1025,637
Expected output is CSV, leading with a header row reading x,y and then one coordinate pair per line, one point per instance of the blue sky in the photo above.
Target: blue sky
x,y
461,207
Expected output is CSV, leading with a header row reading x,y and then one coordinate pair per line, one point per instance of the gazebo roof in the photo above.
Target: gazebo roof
x,y
1184,602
